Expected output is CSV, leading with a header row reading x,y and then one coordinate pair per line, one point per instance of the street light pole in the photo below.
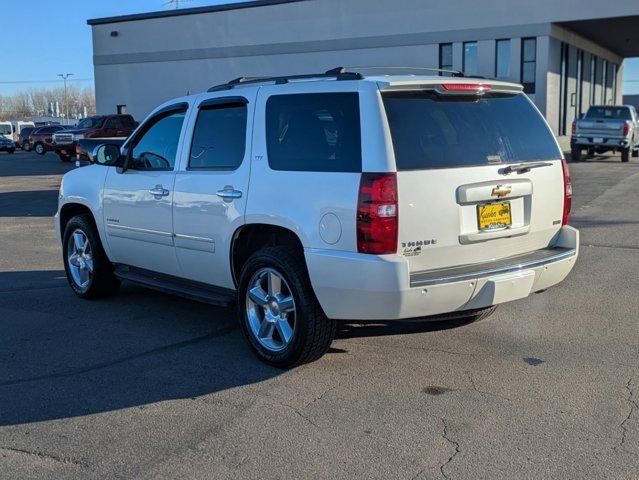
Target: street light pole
x,y
64,77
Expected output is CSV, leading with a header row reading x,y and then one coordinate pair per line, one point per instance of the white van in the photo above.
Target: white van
x,y
6,130
17,128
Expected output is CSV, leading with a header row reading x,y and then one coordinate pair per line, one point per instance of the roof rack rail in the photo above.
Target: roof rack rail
x,y
453,73
338,73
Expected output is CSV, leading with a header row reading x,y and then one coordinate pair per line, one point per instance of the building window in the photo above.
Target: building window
x,y
614,83
593,77
604,83
445,57
469,65
528,63
502,59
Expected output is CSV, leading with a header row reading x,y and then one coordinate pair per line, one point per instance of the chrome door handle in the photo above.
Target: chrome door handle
x,y
229,193
159,191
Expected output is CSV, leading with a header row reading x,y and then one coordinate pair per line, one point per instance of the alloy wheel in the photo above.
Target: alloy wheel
x,y
270,309
80,259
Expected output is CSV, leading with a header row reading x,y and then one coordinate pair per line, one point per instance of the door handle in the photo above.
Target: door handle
x,y
229,193
159,191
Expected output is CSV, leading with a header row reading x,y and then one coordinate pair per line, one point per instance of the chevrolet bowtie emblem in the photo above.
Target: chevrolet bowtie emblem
x,y
500,191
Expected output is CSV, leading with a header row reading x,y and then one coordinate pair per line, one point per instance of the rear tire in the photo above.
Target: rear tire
x,y
291,300
483,314
11,150
625,155
591,152
635,153
64,158
575,154
39,149
26,146
89,272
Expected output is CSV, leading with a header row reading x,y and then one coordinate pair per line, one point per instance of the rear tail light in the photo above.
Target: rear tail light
x,y
466,87
626,129
567,193
377,214
574,126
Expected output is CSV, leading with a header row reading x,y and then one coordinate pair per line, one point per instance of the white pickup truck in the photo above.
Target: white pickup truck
x,y
311,198
604,129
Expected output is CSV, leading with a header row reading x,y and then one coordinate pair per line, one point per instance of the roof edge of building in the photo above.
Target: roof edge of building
x,y
189,11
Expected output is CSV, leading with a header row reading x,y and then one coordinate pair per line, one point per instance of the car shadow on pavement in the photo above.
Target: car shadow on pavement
x,y
34,203
63,357
29,164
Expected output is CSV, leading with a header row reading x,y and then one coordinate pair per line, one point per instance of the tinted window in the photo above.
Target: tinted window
x,y
618,113
91,122
219,137
432,131
126,122
5,129
316,132
157,148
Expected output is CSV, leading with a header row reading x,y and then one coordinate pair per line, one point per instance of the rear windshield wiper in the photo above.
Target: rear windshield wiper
x,y
523,167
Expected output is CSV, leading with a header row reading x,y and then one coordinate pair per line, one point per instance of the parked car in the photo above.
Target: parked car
x,y
101,126
367,198
604,129
85,147
23,138
41,139
7,145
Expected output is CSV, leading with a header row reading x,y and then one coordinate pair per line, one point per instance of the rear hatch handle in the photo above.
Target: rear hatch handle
x,y
523,167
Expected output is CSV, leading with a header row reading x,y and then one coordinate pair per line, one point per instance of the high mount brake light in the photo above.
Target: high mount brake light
x,y
478,88
377,214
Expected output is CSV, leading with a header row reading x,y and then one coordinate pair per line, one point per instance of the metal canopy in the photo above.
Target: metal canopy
x,y
618,34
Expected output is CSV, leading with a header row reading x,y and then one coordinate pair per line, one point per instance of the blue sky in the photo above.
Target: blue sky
x,y
58,40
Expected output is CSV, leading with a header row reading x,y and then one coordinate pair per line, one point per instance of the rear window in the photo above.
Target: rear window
x,y
616,113
316,132
436,131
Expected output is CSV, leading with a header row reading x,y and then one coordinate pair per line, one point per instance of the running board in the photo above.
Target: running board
x,y
197,291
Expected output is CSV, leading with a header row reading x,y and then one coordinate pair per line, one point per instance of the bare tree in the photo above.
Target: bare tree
x,y
38,101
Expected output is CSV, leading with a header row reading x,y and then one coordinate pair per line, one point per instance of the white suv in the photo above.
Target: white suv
x,y
312,198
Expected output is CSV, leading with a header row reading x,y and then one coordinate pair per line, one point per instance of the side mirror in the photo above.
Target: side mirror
x,y
108,155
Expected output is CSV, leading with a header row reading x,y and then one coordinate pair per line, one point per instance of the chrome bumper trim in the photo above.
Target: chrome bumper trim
x,y
538,258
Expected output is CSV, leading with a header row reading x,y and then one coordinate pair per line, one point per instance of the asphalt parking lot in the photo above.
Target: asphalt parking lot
x,y
146,385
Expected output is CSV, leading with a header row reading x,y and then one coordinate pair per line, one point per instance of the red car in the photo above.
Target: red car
x,y
41,139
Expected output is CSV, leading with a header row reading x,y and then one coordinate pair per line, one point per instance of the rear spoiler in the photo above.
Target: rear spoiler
x,y
456,87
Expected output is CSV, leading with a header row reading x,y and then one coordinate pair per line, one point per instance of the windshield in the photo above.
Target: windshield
x,y
5,129
91,122
436,131
616,113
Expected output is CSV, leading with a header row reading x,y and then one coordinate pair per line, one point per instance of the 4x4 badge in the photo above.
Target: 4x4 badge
x,y
501,191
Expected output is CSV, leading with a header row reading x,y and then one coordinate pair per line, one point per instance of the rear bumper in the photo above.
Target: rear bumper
x,y
606,142
65,148
366,287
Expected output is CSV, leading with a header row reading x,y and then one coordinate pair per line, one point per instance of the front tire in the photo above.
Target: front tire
x,y
26,146
89,272
278,310
11,150
64,158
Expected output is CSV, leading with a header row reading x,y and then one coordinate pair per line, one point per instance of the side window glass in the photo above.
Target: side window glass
x,y
156,149
315,132
219,137
110,123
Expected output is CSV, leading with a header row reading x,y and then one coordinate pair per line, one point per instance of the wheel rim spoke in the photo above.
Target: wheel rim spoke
x,y
266,329
78,241
258,296
284,329
88,261
286,304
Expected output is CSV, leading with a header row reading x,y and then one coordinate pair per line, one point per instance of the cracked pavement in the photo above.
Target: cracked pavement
x,y
149,386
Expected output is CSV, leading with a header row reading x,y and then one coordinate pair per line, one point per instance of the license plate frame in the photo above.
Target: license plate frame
x,y
598,140
494,216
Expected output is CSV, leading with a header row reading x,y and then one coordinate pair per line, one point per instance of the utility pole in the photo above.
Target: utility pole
x,y
64,77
